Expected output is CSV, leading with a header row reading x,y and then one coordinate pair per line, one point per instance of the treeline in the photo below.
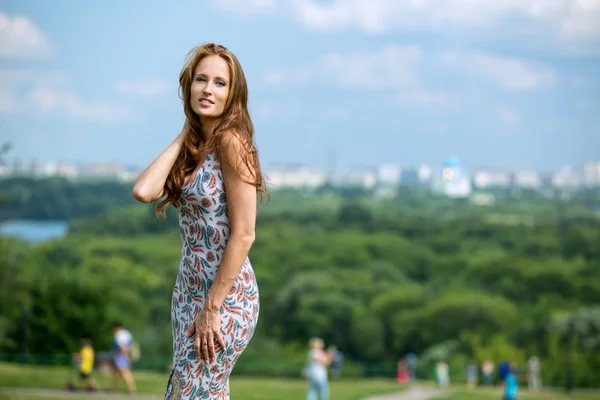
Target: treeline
x,y
65,199
60,198
378,278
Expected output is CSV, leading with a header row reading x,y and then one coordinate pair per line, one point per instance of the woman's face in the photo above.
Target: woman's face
x,y
210,87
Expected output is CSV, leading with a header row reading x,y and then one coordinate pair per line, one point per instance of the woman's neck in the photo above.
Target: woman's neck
x,y
208,126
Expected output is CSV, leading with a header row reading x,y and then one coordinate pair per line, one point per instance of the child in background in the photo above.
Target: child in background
x,y
85,365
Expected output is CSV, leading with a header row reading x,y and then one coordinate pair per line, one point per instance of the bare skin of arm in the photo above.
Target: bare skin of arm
x,y
325,357
241,208
149,186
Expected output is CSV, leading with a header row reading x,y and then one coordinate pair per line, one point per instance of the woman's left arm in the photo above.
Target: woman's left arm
x,y
241,209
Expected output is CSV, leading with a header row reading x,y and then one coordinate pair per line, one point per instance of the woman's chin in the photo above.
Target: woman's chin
x,y
206,114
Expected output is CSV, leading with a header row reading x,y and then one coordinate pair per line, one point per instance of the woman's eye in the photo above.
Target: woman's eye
x,y
201,79
220,83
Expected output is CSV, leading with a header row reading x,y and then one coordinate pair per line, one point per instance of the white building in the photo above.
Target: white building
x,y
565,178
527,179
48,169
590,174
365,179
491,179
66,170
425,173
101,170
389,175
453,182
299,177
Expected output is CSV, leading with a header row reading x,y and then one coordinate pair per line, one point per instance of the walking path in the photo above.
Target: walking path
x,y
415,393
61,394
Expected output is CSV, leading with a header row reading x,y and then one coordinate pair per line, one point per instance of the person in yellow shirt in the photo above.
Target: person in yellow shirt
x,y
86,364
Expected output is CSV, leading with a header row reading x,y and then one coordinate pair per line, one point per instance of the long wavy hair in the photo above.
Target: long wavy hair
x,y
235,120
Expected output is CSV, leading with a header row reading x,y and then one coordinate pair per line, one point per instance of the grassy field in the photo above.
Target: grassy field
x,y
33,383
153,384
484,394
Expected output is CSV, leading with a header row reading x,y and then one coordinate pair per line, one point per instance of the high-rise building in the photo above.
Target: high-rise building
x,y
453,181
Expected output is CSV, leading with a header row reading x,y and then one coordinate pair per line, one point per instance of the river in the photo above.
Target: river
x,y
33,231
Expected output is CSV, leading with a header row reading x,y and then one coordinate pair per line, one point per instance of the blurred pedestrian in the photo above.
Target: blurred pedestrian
x,y
534,374
402,375
336,364
84,361
511,384
316,369
122,353
503,370
487,370
442,373
411,364
472,374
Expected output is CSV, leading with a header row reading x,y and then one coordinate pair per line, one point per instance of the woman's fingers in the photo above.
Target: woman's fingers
x,y
211,346
197,346
205,347
206,343
190,333
221,341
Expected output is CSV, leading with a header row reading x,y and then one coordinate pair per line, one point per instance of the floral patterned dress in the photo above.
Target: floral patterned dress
x,y
204,229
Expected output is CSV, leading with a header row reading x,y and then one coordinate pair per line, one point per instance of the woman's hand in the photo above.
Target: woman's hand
x,y
207,328
184,131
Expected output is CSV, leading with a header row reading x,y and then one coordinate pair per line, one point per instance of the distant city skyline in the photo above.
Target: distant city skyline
x,y
509,85
326,167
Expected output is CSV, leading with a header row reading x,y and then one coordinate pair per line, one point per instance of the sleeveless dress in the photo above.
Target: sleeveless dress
x,y
204,229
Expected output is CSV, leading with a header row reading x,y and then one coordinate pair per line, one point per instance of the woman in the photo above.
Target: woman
x,y
316,369
211,175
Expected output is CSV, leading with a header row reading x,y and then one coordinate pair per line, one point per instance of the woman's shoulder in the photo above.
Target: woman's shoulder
x,y
234,142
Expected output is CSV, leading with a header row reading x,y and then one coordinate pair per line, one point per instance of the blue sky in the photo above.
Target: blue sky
x,y
501,84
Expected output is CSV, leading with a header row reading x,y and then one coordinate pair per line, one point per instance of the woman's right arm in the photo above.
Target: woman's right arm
x,y
149,186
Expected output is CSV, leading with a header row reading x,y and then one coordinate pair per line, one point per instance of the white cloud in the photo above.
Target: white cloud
x,y
567,26
574,19
390,67
28,92
509,73
582,20
22,39
148,88
60,102
246,6
392,70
